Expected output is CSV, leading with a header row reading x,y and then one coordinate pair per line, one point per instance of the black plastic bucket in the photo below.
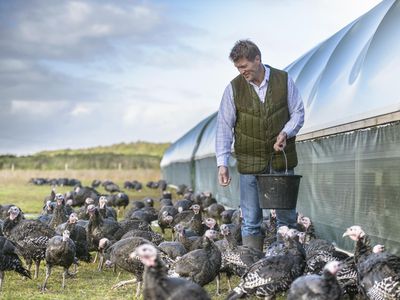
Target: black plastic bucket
x,y
278,191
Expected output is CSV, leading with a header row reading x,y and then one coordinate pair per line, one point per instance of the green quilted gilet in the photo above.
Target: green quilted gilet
x,y
258,124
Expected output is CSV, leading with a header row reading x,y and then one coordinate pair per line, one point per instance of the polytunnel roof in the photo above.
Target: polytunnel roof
x,y
353,75
185,147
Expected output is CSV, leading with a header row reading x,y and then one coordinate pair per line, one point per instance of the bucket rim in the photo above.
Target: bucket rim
x,y
279,175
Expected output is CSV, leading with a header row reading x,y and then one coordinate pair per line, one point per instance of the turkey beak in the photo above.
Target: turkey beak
x,y
347,233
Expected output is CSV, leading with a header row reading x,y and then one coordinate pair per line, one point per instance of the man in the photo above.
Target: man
x,y
263,110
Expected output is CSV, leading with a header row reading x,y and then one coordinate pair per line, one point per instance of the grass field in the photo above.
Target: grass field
x,y
88,283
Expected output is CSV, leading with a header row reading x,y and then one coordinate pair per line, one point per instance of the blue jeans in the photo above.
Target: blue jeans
x,y
251,211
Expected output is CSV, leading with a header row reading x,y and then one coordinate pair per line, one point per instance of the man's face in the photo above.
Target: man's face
x,y
249,69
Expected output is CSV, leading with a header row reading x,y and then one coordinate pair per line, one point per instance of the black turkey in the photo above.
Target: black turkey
x,y
196,223
119,255
59,252
269,227
119,200
153,237
106,211
82,211
166,218
317,287
99,228
47,212
157,285
214,211
59,213
9,260
378,273
273,275
110,186
78,235
30,237
236,259
80,194
201,265
173,249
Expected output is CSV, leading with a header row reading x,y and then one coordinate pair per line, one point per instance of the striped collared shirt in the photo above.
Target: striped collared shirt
x,y
227,116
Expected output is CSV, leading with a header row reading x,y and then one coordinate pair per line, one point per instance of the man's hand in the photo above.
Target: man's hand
x,y
280,143
223,176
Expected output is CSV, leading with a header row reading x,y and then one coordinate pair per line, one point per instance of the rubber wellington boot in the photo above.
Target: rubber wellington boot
x,y
253,241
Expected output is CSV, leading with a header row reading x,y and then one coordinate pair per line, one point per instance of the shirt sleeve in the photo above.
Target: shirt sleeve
x,y
296,110
225,123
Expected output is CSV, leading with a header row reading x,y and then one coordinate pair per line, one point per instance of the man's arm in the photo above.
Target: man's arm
x,y
224,136
296,121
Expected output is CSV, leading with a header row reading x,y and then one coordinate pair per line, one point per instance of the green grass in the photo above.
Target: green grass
x,y
88,283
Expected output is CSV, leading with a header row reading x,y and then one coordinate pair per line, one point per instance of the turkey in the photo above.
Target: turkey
x,y
196,223
173,249
82,212
80,194
118,255
156,283
59,252
166,202
59,213
99,228
269,227
104,210
78,235
47,212
378,273
236,259
9,260
30,236
201,265
153,237
95,183
273,275
226,216
119,200
110,186
162,185
214,211
182,205
317,287
137,204
166,218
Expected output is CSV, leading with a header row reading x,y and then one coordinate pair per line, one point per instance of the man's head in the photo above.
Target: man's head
x,y
247,59
244,49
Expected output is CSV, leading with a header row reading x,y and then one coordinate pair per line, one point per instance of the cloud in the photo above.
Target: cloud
x,y
87,72
36,108
80,109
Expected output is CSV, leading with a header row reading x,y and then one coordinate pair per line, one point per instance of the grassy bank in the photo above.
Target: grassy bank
x,y
138,155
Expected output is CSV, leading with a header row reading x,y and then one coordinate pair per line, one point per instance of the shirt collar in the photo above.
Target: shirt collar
x,y
266,77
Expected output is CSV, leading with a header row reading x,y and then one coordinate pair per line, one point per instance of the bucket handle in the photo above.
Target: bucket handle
x,y
270,164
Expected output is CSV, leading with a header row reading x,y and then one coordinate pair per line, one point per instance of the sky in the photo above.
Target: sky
x,y
77,74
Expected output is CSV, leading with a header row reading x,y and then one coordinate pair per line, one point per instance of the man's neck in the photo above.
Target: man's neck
x,y
260,76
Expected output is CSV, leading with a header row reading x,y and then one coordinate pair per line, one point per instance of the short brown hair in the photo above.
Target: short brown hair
x,y
244,49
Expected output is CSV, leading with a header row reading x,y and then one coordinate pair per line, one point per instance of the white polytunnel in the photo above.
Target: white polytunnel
x,y
349,146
